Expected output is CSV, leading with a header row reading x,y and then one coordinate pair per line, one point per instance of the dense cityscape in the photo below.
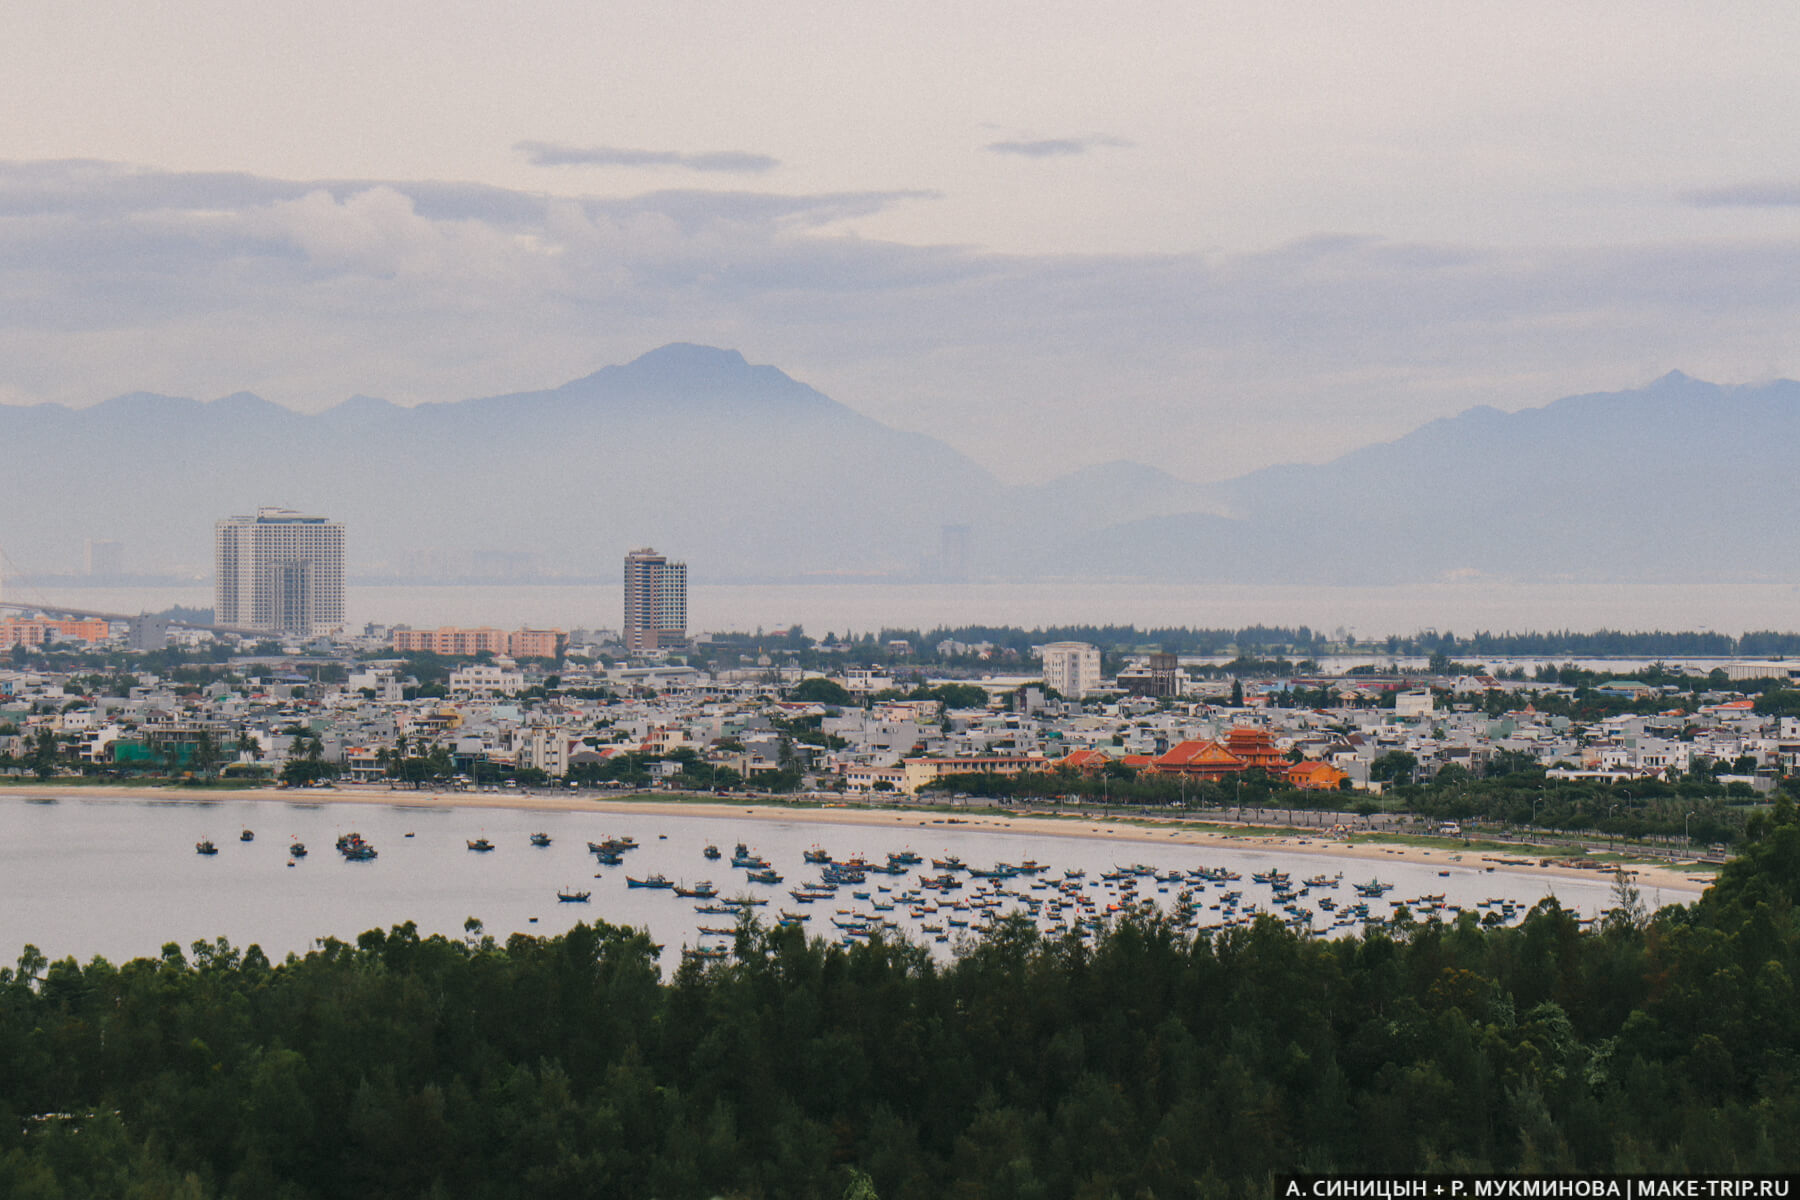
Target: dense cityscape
x,y
910,602
271,688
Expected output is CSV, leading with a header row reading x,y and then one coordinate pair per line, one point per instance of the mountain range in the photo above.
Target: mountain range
x,y
749,474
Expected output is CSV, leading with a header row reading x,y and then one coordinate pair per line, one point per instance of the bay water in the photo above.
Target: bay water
x,y
120,878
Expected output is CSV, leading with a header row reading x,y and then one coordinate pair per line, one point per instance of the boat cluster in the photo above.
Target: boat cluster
x,y
954,896
354,848
297,850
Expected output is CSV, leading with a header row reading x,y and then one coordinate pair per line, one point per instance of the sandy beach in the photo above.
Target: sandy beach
x,y
1665,879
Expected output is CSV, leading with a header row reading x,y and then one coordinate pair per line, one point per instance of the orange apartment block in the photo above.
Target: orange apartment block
x,y
18,631
451,641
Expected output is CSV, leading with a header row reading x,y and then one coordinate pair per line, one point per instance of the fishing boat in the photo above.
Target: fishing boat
x,y
711,851
717,931
948,863
654,881
354,848
743,858
904,858
764,876
297,850
704,890
540,839
1374,888
481,844
247,836
818,854
205,846
705,953
573,897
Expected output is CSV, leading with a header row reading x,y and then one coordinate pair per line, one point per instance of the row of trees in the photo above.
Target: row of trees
x,y
1148,1063
1517,793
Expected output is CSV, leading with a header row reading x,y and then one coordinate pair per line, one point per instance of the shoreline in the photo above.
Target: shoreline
x,y
1647,878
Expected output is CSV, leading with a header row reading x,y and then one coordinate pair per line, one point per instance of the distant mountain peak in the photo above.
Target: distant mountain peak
x,y
360,404
243,402
689,356
691,377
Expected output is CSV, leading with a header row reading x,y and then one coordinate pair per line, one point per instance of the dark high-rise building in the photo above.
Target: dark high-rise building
x,y
655,601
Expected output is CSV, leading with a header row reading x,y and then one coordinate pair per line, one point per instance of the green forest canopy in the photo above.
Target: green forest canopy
x,y
1152,1063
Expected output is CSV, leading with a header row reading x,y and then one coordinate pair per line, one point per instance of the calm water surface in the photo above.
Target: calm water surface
x,y
121,878
1464,605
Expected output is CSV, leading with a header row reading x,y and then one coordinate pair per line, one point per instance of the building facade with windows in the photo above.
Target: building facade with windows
x,y
279,572
655,602
1072,668
454,641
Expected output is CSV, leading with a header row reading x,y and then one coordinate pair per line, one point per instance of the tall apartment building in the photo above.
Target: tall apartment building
x,y
279,572
1072,668
655,601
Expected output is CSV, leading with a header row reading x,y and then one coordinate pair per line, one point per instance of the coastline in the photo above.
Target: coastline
x,y
1647,878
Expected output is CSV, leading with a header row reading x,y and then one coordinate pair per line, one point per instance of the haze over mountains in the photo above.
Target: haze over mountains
x,y
749,474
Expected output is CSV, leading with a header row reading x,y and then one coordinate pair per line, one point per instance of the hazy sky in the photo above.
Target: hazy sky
x,y
1209,236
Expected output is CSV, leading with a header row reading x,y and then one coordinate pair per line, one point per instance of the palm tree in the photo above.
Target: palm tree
x,y
206,754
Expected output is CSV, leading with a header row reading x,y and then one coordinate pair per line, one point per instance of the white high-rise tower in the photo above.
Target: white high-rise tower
x,y
279,572
655,601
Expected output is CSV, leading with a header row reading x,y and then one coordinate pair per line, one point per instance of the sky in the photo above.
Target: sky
x,y
1211,237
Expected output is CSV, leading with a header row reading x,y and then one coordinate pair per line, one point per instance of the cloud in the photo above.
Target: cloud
x,y
734,162
1771,194
116,279
1056,147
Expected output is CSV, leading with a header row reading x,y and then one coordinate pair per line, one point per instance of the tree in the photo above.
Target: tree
x,y
206,754
953,695
1396,766
44,754
819,690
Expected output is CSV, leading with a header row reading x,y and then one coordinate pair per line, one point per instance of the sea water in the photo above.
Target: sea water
x,y
1461,605
120,878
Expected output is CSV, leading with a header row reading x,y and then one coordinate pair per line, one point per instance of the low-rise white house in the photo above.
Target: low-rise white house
x,y
481,682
